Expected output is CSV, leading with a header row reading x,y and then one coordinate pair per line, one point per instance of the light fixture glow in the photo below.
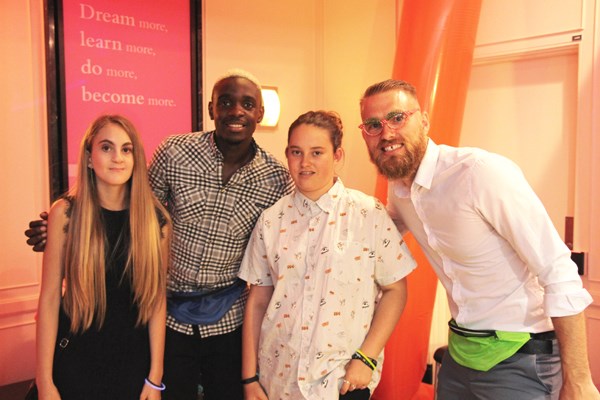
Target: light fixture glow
x,y
272,106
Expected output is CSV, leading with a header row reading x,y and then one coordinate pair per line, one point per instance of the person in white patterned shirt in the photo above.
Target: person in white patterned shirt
x,y
327,270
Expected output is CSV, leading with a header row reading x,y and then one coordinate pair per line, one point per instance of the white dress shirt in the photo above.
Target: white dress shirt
x,y
326,260
490,241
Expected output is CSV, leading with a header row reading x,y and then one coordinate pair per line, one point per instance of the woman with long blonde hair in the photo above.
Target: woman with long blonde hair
x,y
101,315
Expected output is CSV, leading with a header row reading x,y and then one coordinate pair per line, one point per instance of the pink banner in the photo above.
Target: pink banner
x,y
131,58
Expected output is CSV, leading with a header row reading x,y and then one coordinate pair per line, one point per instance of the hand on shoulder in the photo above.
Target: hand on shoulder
x,y
36,233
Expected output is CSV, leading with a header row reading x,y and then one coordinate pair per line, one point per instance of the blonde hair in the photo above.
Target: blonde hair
x,y
85,287
387,85
239,73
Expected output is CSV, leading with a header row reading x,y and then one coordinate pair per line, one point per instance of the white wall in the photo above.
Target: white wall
x,y
23,180
503,114
358,50
317,53
276,41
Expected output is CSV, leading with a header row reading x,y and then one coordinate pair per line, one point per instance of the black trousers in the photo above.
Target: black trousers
x,y
363,394
214,362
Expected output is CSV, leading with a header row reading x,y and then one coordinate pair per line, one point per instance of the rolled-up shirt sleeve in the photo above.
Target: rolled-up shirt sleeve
x,y
566,298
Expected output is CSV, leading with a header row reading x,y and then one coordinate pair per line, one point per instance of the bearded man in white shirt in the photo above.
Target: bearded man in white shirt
x,y
518,329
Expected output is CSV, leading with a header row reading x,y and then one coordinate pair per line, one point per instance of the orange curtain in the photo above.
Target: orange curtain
x,y
434,52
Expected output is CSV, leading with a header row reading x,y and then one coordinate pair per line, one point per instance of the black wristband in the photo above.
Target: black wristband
x,y
358,356
250,380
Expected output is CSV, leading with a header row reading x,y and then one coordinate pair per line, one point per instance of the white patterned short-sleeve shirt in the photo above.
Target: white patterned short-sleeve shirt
x,y
326,261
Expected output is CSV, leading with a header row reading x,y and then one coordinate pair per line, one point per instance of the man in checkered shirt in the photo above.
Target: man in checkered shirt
x,y
215,185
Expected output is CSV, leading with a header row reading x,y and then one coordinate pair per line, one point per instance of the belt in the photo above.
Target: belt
x,y
544,335
540,343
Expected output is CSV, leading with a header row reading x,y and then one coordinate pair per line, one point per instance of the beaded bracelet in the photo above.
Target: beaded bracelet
x,y
155,386
368,361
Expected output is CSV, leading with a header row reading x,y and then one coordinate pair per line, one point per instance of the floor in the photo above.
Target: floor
x,y
15,391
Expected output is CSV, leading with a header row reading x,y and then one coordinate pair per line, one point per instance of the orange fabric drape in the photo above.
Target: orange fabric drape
x,y
434,52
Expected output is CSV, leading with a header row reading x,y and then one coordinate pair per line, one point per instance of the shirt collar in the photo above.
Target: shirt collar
x,y
219,156
426,169
325,203
425,173
213,146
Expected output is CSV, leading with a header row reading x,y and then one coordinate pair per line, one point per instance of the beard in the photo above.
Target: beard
x,y
403,165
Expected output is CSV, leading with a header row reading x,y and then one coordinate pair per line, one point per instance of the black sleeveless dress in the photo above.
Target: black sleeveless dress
x,y
112,362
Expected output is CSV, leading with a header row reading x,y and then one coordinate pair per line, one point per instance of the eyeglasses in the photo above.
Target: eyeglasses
x,y
394,120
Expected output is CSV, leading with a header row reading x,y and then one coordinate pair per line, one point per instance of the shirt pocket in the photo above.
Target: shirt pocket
x,y
351,264
243,218
189,203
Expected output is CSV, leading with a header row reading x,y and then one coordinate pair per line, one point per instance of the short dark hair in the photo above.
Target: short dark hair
x,y
328,120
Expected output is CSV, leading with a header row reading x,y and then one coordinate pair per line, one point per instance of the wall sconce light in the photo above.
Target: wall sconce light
x,y
272,106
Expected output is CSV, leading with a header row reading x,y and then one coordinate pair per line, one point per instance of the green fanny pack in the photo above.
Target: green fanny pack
x,y
482,350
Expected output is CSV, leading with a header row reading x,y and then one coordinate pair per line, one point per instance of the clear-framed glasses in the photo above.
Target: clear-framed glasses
x,y
394,120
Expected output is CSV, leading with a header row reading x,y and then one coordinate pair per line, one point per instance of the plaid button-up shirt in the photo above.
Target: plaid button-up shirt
x,y
212,222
